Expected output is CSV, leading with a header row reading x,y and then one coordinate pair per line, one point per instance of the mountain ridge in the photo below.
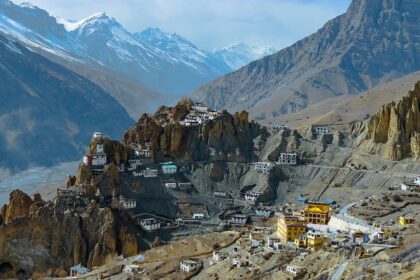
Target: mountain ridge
x,y
349,54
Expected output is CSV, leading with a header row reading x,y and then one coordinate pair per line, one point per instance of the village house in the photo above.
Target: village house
x,y
312,240
316,213
240,263
150,224
294,270
185,187
169,168
137,173
131,268
97,135
78,270
264,167
238,219
143,153
290,227
359,237
123,203
188,265
220,194
200,107
255,243
191,213
280,127
171,185
321,129
263,212
252,196
411,187
134,163
407,220
274,243
150,173
98,158
220,256
287,158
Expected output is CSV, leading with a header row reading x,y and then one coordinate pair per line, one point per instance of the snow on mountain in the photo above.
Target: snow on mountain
x,y
164,62
240,54
36,28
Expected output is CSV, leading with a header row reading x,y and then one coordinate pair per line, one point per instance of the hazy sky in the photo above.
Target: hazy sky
x,y
211,23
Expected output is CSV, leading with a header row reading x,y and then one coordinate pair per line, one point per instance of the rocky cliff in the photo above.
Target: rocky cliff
x,y
374,41
226,138
45,239
394,132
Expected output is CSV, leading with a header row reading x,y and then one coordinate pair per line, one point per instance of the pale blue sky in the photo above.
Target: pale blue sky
x,y
212,23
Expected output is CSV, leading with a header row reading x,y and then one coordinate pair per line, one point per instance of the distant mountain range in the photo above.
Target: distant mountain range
x,y
61,80
373,42
240,54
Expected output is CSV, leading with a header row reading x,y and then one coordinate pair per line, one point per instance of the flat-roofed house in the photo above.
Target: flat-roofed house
x,y
188,265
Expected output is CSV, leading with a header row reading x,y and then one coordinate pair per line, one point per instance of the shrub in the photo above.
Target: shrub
x,y
397,198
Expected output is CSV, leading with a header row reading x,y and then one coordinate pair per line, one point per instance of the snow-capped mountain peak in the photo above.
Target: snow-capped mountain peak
x,y
240,54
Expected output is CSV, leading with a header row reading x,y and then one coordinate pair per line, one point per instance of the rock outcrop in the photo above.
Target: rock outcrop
x,y
42,239
394,132
226,138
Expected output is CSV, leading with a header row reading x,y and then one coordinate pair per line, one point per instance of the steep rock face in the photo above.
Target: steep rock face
x,y
18,207
226,138
394,132
55,237
374,41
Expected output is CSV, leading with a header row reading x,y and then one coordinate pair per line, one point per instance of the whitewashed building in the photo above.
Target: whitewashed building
x,y
134,163
321,129
127,203
263,212
188,265
240,262
252,196
238,219
150,224
97,135
200,107
220,256
288,158
220,194
137,173
171,185
294,270
264,167
150,173
280,127
198,216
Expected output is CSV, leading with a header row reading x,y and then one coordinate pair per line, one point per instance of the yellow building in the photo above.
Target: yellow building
x,y
317,213
290,227
406,220
312,240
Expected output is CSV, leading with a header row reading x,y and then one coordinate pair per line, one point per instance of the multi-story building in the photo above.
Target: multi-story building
x,y
317,213
150,173
288,158
252,196
290,227
238,219
188,265
321,129
264,167
150,224
312,240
